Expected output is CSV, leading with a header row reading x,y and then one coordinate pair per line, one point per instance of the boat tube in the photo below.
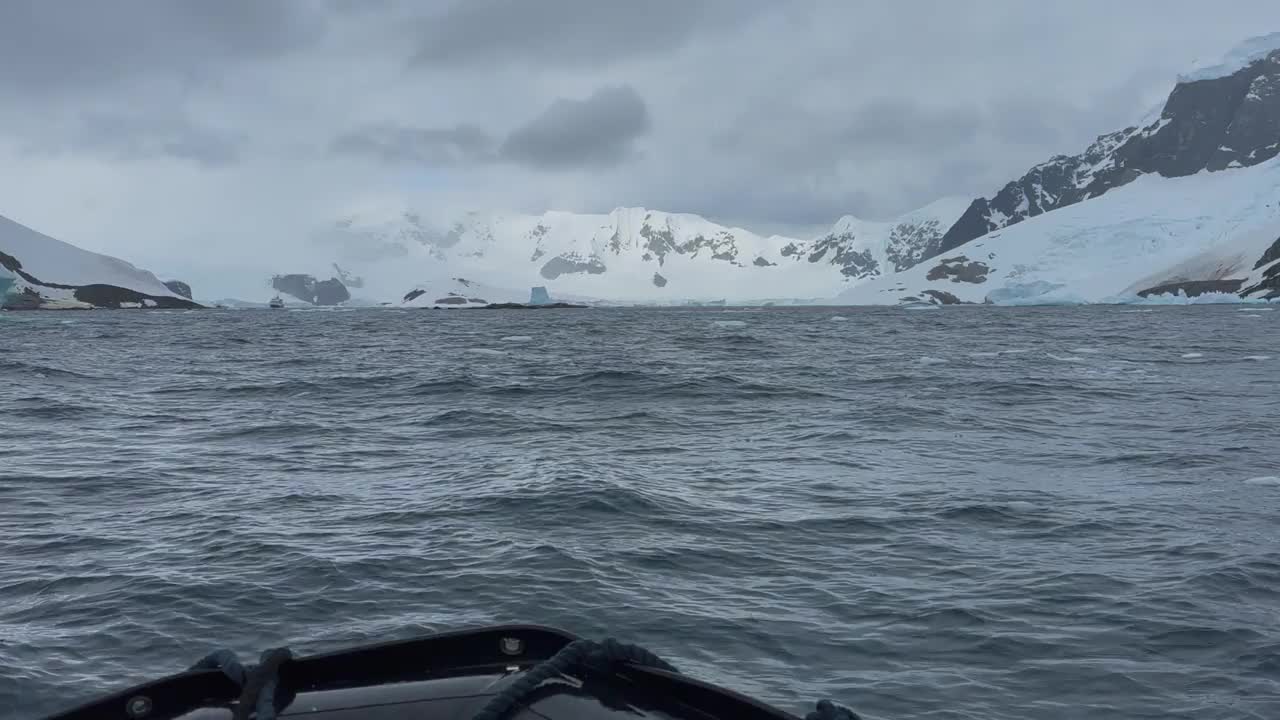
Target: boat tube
x,y
504,672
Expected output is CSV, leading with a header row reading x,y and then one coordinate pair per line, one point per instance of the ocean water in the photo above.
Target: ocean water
x,y
960,513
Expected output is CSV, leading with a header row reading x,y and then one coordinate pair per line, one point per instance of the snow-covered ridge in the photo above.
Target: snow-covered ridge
x,y
1235,60
56,271
629,254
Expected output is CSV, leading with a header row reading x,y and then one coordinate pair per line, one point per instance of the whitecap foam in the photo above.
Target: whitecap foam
x,y
1192,356
1257,358
1085,351
921,307
486,351
1065,358
1265,480
984,354
839,318
1020,506
928,360
1254,315
517,338
1015,351
730,323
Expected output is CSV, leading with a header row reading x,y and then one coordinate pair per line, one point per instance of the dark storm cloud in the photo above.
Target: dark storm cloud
x,y
52,45
599,131
571,31
462,144
596,132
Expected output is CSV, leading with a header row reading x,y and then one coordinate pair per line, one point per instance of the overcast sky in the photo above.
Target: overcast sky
x,y
165,130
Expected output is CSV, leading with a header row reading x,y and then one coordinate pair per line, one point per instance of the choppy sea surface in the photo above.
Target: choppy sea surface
x,y
959,513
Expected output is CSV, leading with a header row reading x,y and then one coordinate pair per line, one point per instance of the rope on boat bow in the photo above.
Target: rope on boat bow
x,y
579,653
603,656
257,683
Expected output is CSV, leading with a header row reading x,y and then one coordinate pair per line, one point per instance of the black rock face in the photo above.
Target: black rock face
x,y
943,297
1215,124
307,289
110,296
1269,287
331,292
852,263
179,287
659,281
568,264
959,269
1193,288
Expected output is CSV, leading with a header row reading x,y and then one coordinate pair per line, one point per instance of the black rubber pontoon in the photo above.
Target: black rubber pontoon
x,y
506,672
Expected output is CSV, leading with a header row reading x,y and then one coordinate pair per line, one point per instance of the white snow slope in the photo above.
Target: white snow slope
x,y
629,255
1153,231
53,261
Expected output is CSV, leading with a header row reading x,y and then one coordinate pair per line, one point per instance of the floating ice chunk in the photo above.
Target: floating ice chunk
x,y
920,307
839,318
517,338
1192,356
927,360
1266,480
730,323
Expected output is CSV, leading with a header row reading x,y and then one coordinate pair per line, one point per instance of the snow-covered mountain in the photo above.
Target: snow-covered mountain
x,y
630,254
1225,115
1187,204
46,273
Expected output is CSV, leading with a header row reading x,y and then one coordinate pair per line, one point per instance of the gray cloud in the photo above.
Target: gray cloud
x,y
571,31
77,44
596,132
904,122
127,119
462,144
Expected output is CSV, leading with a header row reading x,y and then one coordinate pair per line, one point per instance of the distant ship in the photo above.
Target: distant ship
x,y
276,302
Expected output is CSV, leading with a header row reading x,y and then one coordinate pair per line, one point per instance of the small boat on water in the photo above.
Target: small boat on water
x,y
503,672
276,303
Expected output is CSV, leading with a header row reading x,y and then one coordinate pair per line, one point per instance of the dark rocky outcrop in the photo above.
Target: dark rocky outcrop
x,y
523,306
761,262
331,292
944,298
413,295
568,264
179,287
307,289
451,300
1211,124
959,269
660,242
659,281
110,296
1193,288
1269,287
852,263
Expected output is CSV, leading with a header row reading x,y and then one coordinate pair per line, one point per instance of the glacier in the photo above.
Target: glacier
x,y
1154,231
